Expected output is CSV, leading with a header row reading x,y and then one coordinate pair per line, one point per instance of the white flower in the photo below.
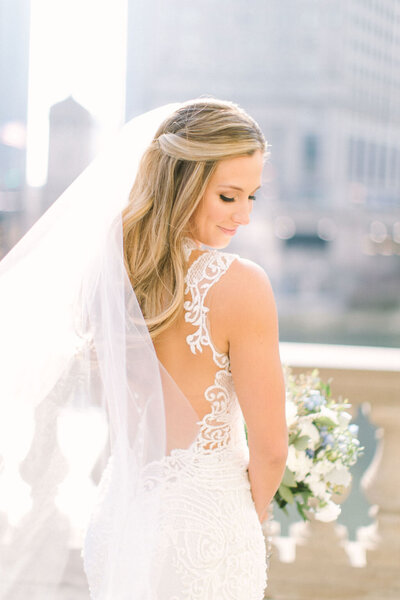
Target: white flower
x,y
339,476
330,512
353,428
322,467
299,463
331,414
291,458
291,412
317,487
307,428
344,419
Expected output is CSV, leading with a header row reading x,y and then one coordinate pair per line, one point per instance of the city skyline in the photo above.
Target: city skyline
x,y
59,69
324,85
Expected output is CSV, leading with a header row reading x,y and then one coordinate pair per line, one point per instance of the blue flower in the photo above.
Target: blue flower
x,y
317,397
309,404
310,453
327,439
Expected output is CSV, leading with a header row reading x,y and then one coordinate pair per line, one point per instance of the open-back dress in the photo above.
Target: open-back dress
x,y
211,544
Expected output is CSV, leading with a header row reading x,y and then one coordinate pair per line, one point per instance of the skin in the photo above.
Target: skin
x,y
214,213
247,325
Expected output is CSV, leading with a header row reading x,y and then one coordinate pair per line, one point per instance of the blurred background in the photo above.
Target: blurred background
x,y
322,78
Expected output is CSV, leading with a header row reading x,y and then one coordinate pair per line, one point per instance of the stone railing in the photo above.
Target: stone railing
x,y
323,564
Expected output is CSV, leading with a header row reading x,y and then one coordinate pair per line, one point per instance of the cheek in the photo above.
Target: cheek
x,y
211,210
217,210
225,211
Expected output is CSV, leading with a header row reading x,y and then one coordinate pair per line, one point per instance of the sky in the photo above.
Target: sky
x,y
78,48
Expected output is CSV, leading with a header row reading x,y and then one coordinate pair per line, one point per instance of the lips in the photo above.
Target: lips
x,y
228,231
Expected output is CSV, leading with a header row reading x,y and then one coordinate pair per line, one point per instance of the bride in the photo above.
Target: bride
x,y
143,317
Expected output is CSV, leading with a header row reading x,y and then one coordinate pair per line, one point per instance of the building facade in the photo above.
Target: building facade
x,y
323,81
14,67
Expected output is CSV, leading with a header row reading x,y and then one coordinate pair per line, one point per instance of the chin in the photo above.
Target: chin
x,y
218,244
217,241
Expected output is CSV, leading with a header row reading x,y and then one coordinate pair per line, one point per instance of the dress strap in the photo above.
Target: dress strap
x,y
202,274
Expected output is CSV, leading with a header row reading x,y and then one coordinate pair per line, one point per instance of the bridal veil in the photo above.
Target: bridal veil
x,y
83,397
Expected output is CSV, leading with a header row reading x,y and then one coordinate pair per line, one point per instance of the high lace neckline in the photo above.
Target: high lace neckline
x,y
188,245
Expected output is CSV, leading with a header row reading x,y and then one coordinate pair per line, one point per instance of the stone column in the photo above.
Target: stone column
x,y
382,487
321,569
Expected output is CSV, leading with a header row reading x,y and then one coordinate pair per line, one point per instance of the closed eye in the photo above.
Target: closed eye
x,y
227,199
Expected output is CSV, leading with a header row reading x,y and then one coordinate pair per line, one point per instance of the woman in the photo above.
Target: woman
x,y
184,522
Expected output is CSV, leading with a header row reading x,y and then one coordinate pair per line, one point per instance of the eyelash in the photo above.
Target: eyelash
x,y
226,199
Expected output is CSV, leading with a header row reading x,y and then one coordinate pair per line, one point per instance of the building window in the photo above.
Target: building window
x,y
311,152
382,165
307,241
360,160
371,161
393,165
351,150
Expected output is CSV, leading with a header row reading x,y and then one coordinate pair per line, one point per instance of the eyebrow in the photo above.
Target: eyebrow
x,y
239,189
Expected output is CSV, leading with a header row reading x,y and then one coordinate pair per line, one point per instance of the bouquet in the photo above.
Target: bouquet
x,y
323,445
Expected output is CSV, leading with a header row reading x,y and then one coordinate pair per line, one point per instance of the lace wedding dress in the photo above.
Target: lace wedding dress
x,y
210,544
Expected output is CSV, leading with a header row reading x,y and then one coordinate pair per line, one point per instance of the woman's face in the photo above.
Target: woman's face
x,y
228,200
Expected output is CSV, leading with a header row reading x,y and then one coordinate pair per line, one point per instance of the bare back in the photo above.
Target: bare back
x,y
192,349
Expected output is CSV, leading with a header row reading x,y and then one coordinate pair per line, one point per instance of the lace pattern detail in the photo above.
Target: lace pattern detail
x,y
213,544
202,274
210,543
222,427
188,246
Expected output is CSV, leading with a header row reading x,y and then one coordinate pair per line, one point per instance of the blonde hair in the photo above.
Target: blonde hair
x,y
172,178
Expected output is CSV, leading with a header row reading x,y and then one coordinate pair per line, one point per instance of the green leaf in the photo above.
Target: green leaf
x,y
305,495
286,493
288,478
302,442
281,504
285,510
301,511
326,421
279,500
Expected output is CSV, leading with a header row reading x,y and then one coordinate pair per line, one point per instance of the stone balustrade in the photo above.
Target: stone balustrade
x,y
322,565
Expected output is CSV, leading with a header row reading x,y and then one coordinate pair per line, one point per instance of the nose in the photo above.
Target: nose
x,y
241,216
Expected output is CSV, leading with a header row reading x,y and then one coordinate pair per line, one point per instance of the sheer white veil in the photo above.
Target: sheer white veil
x,y
83,397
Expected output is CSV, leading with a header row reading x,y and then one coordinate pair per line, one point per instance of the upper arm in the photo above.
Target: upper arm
x,y
251,322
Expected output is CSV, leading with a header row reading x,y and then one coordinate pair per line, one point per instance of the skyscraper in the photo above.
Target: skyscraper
x,y
71,146
14,63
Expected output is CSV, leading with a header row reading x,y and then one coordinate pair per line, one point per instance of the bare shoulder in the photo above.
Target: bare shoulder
x,y
243,269
246,284
246,298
